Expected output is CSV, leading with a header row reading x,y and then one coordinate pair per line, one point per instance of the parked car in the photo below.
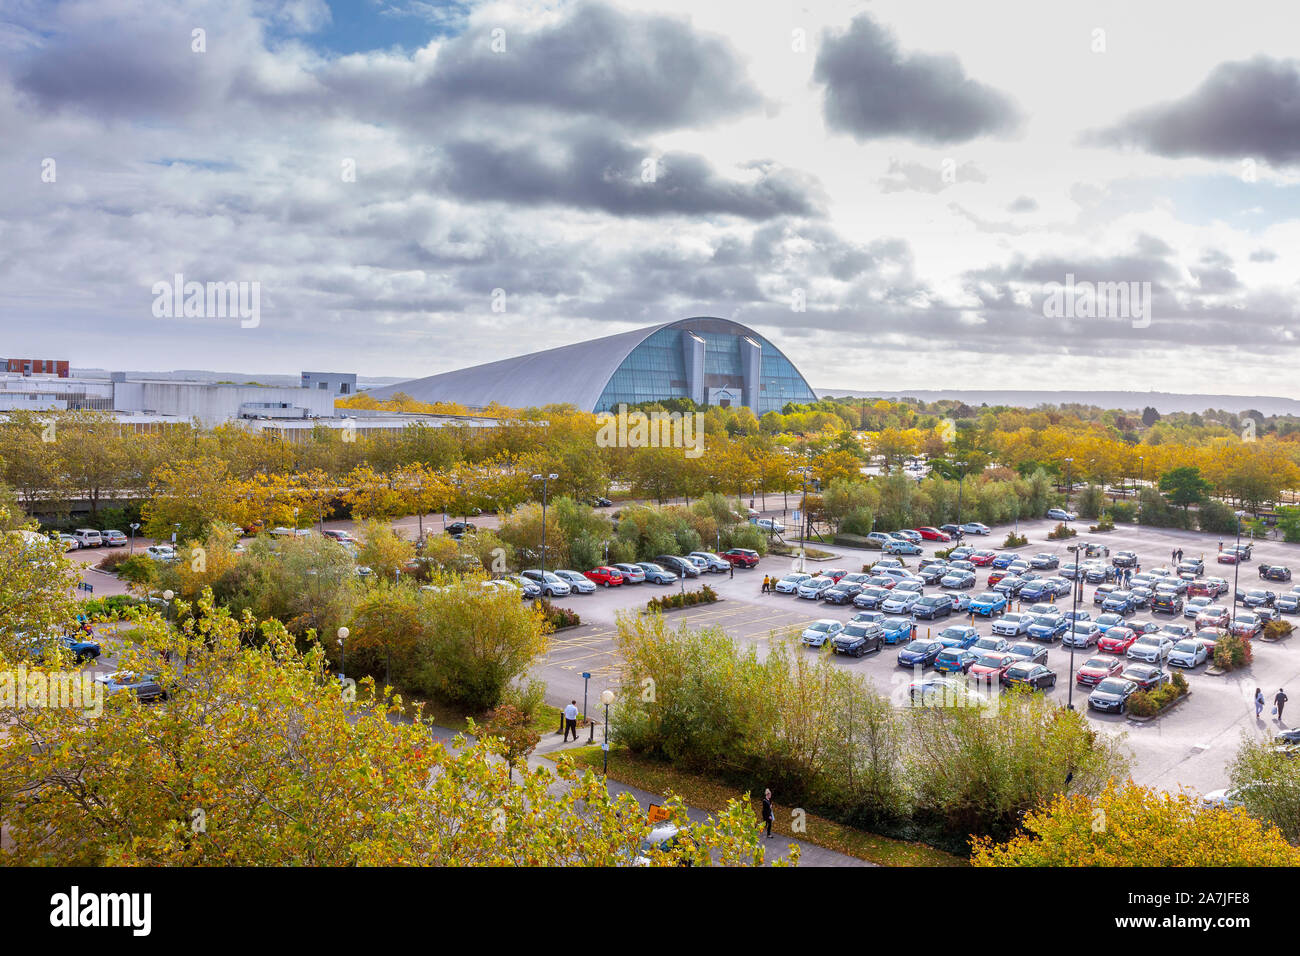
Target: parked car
x,y
65,541
819,632
115,539
88,538
955,660
79,646
933,534
870,598
1028,674
919,653
897,630
932,607
1013,624
1256,597
458,529
679,566
1029,651
1146,676
1036,590
550,583
1274,572
578,583
770,525
982,558
1194,606
897,546
975,527
900,602
1188,653
1081,634
1111,695
145,686
858,639
842,593
1167,602
1151,648
1117,640
1234,554
1047,627
989,604
1288,602
1096,669
1043,561
605,576
632,573
741,557
712,562
1124,559
907,534
1060,514
957,579
161,552
992,665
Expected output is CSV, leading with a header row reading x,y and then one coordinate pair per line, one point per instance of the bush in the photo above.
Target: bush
x,y
1276,630
1091,501
558,617
1104,523
1232,652
1140,704
527,698
1016,540
1216,518
1061,531
705,595
859,521
109,605
1123,512
139,569
1149,703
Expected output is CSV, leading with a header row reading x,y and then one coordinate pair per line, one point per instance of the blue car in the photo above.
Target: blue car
x,y
1119,602
895,546
988,604
958,635
1047,627
919,653
1004,561
953,660
897,630
1107,621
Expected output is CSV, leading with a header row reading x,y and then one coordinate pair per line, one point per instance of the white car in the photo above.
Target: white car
x,y
975,527
88,538
1060,514
1152,648
161,552
814,588
819,632
900,602
790,583
577,583
1013,624
1188,653
552,584
770,524
1227,798
67,542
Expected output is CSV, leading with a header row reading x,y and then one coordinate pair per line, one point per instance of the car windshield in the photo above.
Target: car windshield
x,y
1112,686
1189,646
820,626
989,596
795,578
1103,662
1044,620
920,647
991,660
953,632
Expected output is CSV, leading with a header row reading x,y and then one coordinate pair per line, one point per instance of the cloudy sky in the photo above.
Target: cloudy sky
x,y
886,189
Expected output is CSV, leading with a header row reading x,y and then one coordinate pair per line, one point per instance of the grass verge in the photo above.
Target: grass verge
x,y
707,794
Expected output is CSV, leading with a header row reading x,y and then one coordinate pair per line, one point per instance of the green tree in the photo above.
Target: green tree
x,y
1184,486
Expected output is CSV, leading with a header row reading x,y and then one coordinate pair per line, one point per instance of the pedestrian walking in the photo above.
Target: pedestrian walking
x,y
1279,702
767,584
571,721
1259,702
768,815
731,569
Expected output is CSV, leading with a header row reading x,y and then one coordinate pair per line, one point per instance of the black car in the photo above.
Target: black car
x,y
1274,572
1028,674
858,639
1098,573
458,529
953,531
931,573
870,598
1124,559
932,606
1167,601
1256,598
842,593
679,566
1044,562
601,502
1029,652
1111,695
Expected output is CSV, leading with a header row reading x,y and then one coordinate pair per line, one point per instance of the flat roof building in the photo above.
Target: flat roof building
x,y
709,360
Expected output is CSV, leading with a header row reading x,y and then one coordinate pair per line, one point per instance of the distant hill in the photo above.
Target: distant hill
x,y
1163,402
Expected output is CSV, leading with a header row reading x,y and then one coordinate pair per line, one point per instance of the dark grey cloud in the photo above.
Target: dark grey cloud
x,y
1243,109
589,170
1263,255
1023,204
875,90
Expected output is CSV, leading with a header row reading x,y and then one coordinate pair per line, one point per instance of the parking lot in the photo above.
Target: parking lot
x,y
1188,746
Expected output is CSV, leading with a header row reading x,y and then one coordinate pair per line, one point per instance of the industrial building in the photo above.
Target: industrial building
x,y
709,360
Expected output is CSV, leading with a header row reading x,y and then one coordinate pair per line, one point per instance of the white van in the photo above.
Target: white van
x,y
88,538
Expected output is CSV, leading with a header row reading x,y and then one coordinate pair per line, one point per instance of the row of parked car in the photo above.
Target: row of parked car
x,y
664,569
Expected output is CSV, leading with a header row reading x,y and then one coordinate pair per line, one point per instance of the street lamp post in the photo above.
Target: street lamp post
x,y
1076,586
606,698
134,526
343,633
545,480
1236,572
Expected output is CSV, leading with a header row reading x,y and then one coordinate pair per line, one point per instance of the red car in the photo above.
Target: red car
x,y
1096,669
1207,587
609,577
996,576
982,559
833,573
992,666
881,581
933,534
1117,640
1213,616
741,557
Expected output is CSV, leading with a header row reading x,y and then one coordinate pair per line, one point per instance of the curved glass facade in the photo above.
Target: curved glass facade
x,y
714,362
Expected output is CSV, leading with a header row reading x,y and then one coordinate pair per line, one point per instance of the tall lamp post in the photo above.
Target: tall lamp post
x,y
1236,572
343,633
1076,586
134,526
545,480
606,698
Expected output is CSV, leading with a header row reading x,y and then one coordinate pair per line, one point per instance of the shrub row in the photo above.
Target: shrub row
x,y
705,595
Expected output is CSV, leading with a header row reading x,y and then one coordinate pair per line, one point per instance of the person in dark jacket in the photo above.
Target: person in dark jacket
x,y
768,816
1279,702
